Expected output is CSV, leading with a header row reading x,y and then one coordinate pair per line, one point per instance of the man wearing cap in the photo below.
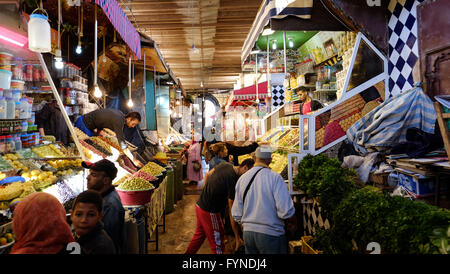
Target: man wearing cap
x,y
264,208
100,178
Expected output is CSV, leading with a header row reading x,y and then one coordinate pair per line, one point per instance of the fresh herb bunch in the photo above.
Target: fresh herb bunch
x,y
324,178
399,225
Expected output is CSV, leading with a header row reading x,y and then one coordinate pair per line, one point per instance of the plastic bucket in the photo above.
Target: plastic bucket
x,y
5,79
135,197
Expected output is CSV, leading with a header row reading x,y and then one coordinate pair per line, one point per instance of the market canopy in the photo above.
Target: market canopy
x,y
274,9
249,93
122,24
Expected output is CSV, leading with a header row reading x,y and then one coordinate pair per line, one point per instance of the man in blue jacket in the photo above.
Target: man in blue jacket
x,y
100,178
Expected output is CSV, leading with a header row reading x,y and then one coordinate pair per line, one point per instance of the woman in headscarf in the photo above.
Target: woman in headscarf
x,y
40,226
194,163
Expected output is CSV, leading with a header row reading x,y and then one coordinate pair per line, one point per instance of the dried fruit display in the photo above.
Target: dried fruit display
x,y
288,138
319,137
153,169
135,184
91,148
80,134
144,175
97,147
279,162
347,123
369,107
121,180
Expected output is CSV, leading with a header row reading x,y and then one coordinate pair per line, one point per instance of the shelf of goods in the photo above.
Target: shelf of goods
x,y
50,168
279,162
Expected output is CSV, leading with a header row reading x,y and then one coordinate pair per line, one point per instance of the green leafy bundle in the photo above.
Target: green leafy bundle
x,y
323,177
399,225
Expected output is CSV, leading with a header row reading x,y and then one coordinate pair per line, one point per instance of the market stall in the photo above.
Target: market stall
x,y
30,161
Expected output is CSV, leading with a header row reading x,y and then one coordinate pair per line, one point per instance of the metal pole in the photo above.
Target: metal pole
x,y
61,107
256,74
129,78
95,46
284,48
268,64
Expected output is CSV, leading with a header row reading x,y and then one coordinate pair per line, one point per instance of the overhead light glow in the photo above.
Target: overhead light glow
x,y
274,44
291,43
79,50
130,103
58,60
13,37
97,92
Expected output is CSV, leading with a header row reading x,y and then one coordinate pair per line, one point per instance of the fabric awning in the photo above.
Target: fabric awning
x,y
249,93
122,24
274,9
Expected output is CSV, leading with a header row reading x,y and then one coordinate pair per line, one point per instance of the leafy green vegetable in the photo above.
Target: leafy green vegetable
x,y
360,216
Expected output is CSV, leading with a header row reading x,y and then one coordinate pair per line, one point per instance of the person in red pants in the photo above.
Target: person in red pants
x,y
219,190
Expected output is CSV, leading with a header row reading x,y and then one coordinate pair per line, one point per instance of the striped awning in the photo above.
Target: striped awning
x,y
249,93
274,9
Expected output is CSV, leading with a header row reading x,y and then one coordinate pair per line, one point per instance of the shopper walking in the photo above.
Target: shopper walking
x,y
40,226
217,193
194,163
261,205
100,178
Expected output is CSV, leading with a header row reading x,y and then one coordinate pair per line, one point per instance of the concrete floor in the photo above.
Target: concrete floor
x,y
181,223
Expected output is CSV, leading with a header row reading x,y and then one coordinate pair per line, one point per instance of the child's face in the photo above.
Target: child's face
x,y
85,217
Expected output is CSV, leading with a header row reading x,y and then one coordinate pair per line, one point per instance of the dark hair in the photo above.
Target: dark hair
x,y
247,162
133,115
89,197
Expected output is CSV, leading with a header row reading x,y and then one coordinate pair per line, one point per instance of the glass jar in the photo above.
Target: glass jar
x,y
10,145
10,108
2,108
2,144
17,110
24,111
17,142
24,126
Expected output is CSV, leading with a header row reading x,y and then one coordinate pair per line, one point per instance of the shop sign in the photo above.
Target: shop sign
x,y
122,24
272,70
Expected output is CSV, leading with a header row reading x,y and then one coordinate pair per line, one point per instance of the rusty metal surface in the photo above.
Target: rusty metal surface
x,y
434,45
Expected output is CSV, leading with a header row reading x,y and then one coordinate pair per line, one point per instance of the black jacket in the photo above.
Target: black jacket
x,y
315,105
53,123
237,151
96,241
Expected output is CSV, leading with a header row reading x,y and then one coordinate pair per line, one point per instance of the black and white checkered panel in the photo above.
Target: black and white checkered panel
x,y
403,47
277,95
312,214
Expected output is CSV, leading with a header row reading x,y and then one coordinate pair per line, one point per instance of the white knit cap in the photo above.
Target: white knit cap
x,y
264,152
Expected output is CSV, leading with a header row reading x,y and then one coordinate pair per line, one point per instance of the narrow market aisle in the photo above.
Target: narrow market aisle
x,y
181,224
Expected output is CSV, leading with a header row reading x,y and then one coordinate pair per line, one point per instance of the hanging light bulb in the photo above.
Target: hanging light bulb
x,y
58,60
97,92
274,44
201,84
130,103
79,50
291,43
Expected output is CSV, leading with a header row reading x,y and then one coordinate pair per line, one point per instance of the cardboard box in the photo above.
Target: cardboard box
x,y
419,185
